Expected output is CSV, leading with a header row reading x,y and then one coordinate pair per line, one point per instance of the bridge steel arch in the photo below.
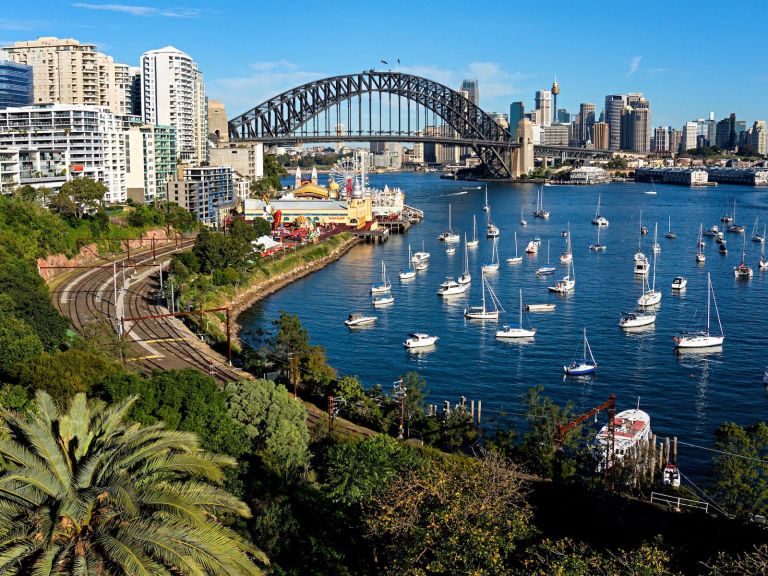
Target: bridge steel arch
x,y
281,116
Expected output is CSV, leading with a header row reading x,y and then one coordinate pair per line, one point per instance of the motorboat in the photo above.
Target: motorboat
x,y
599,220
670,234
712,231
420,340
493,265
643,230
617,440
533,246
451,250
584,365
449,236
357,319
474,242
516,259
385,285
703,338
670,476
546,270
637,319
566,283
518,331
679,283
410,272
484,312
642,266
450,288
723,248
384,300
540,307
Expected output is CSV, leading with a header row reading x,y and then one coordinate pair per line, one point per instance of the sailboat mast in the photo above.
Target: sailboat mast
x,y
484,282
521,307
709,293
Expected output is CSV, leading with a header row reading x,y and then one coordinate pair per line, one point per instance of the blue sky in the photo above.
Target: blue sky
x,y
689,58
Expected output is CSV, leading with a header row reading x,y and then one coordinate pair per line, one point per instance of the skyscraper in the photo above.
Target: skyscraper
x,y
586,121
544,107
601,134
15,83
661,139
555,92
690,131
516,114
471,88
173,94
614,105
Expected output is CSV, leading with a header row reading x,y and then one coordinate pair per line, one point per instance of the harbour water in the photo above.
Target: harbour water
x,y
686,395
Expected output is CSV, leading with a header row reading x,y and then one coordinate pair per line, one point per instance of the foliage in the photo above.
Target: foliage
x,y
617,162
143,215
178,219
262,227
83,493
270,182
741,481
217,251
273,421
453,515
754,563
185,400
15,397
18,342
98,336
86,194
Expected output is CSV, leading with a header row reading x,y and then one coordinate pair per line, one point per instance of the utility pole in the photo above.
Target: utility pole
x,y
400,395
114,283
330,414
160,267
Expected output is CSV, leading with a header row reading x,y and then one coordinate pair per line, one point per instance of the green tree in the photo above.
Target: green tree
x,y
142,216
262,227
18,342
741,475
84,493
270,182
62,204
274,422
178,219
86,193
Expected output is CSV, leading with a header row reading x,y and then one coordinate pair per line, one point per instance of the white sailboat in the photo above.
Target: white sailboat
x,y
486,206
584,365
540,212
518,331
756,236
409,272
743,271
523,221
465,277
516,259
491,230
670,234
474,242
421,256
483,312
567,283
656,248
763,265
650,297
704,338
736,228
449,236
637,319
493,265
599,220
567,256
641,261
597,247
546,270
385,285
700,256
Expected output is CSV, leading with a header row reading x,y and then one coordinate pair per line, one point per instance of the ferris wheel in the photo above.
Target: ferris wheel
x,y
347,174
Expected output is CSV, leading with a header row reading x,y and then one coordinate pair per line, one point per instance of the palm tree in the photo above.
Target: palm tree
x,y
82,492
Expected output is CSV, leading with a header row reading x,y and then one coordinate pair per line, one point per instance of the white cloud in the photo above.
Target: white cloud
x,y
493,79
141,10
634,65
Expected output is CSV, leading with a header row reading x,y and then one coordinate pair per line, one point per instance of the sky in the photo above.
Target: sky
x,y
688,58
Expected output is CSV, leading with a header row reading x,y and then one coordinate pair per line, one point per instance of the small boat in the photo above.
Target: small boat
x,y
482,312
735,228
385,285
643,230
451,250
518,331
670,476
679,283
656,247
599,220
652,191
650,297
637,319
491,230
756,235
713,230
584,365
523,221
743,271
726,218
533,246
763,264
546,270
567,256
486,206
420,340
421,256
382,301
566,283
356,319
540,212
564,233
493,265
451,288
614,443
516,259
597,247
540,307
670,235
700,257
465,277
474,242
723,248
410,272
641,261
449,236
703,338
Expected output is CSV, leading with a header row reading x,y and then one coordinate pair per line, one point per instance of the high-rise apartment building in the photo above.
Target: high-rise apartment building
x,y
675,139
15,83
151,152
173,94
661,139
208,192
601,135
614,106
516,114
68,72
544,107
472,89
586,121
758,137
690,131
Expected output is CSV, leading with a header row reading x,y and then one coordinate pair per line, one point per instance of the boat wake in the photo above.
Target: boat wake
x,y
461,193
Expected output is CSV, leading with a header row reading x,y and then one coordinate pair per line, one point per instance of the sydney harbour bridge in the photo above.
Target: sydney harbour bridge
x,y
379,106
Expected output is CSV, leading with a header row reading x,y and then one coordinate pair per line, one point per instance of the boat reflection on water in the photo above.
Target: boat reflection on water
x,y
517,341
640,330
421,351
699,352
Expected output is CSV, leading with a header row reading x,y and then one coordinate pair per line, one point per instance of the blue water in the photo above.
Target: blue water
x,y
687,396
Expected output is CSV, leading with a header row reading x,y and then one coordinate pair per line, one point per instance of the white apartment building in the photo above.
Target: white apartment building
x,y
33,166
151,152
690,131
173,94
68,72
93,138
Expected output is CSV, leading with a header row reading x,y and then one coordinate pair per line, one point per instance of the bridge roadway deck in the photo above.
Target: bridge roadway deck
x,y
167,343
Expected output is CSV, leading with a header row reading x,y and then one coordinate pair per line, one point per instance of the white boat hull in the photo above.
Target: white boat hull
x,y
540,307
510,333
515,260
362,321
381,302
473,243
490,267
680,284
464,279
380,289
481,314
408,275
563,286
637,321
650,298
412,343
566,258
698,341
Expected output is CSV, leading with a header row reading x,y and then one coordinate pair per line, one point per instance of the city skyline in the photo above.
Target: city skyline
x,y
244,68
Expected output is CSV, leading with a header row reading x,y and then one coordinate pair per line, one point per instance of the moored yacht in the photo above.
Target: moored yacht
x,y
679,283
420,340
614,443
450,288
357,319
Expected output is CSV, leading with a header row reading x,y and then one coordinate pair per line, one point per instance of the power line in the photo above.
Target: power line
x,y
752,458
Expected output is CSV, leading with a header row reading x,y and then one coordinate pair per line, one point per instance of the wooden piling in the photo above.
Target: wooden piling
x,y
479,410
674,449
472,411
666,450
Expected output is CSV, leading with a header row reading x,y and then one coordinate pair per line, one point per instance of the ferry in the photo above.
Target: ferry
x,y
630,428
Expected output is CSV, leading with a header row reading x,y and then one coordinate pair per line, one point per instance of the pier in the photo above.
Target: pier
x,y
372,236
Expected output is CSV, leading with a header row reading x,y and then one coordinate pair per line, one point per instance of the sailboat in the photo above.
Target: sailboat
x,y
486,206
671,235
763,260
409,272
491,230
700,257
482,312
420,258
493,265
652,191
567,283
465,278
512,331
650,297
641,261
567,256
703,339
597,246
449,236
756,236
474,242
742,270
540,212
637,319
516,259
656,248
584,365
599,220
726,218
736,228
523,221
385,286
546,270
